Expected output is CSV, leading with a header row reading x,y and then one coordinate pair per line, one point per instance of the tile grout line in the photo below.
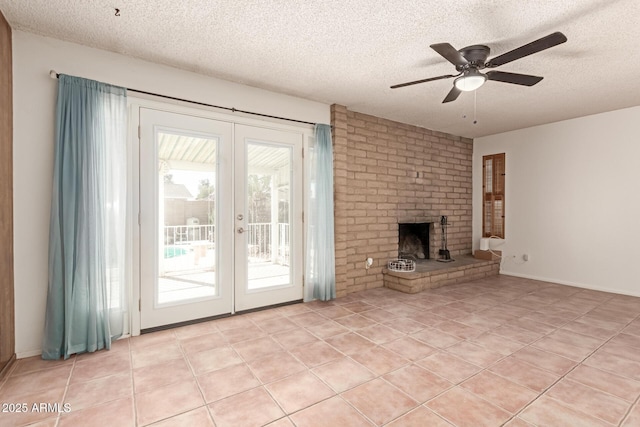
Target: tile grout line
x,y
135,412
486,369
409,362
339,394
134,401
310,370
262,384
541,393
66,388
527,345
626,415
505,356
195,378
453,385
635,403
573,368
438,349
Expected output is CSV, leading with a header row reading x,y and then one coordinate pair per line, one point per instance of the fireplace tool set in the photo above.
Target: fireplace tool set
x,y
445,256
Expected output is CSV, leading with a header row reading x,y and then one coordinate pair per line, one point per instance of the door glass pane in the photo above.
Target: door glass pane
x,y
268,214
187,182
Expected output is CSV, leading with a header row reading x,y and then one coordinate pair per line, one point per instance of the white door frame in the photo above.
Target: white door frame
x,y
133,227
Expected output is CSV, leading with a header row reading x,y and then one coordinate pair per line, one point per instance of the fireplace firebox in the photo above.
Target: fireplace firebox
x,y
413,240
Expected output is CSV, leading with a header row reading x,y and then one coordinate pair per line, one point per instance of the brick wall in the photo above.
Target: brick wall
x,y
387,172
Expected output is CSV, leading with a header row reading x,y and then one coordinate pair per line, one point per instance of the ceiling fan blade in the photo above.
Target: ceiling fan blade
x,y
528,49
423,81
518,79
453,94
450,54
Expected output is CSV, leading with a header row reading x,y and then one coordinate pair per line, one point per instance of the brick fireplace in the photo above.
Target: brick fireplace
x,y
388,173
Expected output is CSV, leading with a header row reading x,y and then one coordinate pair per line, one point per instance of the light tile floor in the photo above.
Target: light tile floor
x,y
499,351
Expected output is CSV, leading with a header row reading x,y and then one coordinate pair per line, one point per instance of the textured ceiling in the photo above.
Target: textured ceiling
x,y
350,51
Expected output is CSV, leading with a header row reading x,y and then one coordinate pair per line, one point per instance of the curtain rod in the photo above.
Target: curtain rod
x,y
54,75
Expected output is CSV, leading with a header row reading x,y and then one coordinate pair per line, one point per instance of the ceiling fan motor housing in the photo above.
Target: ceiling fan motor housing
x,y
476,55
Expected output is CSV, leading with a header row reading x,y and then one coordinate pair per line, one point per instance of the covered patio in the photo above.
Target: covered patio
x,y
188,215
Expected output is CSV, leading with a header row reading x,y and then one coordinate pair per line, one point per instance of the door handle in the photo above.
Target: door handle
x,y
240,230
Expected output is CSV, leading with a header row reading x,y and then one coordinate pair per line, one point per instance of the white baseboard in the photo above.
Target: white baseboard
x,y
31,353
569,283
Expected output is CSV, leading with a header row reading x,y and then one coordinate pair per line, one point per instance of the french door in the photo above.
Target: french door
x,y
268,217
220,217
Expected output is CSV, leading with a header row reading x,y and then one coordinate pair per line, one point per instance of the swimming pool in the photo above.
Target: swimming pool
x,y
174,251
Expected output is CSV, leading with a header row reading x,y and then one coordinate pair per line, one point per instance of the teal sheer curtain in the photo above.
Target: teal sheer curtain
x,y
86,295
320,276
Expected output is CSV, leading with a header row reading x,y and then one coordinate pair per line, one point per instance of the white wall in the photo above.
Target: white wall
x,y
34,109
572,200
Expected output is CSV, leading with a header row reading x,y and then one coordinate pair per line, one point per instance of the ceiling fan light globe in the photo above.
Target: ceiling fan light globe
x,y
470,82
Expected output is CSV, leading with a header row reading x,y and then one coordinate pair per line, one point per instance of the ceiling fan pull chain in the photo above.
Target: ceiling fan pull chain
x,y
464,111
475,109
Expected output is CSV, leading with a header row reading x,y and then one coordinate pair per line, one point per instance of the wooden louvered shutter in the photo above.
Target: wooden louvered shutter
x,y
493,207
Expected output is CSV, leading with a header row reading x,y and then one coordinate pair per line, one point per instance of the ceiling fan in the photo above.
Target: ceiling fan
x,y
471,59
